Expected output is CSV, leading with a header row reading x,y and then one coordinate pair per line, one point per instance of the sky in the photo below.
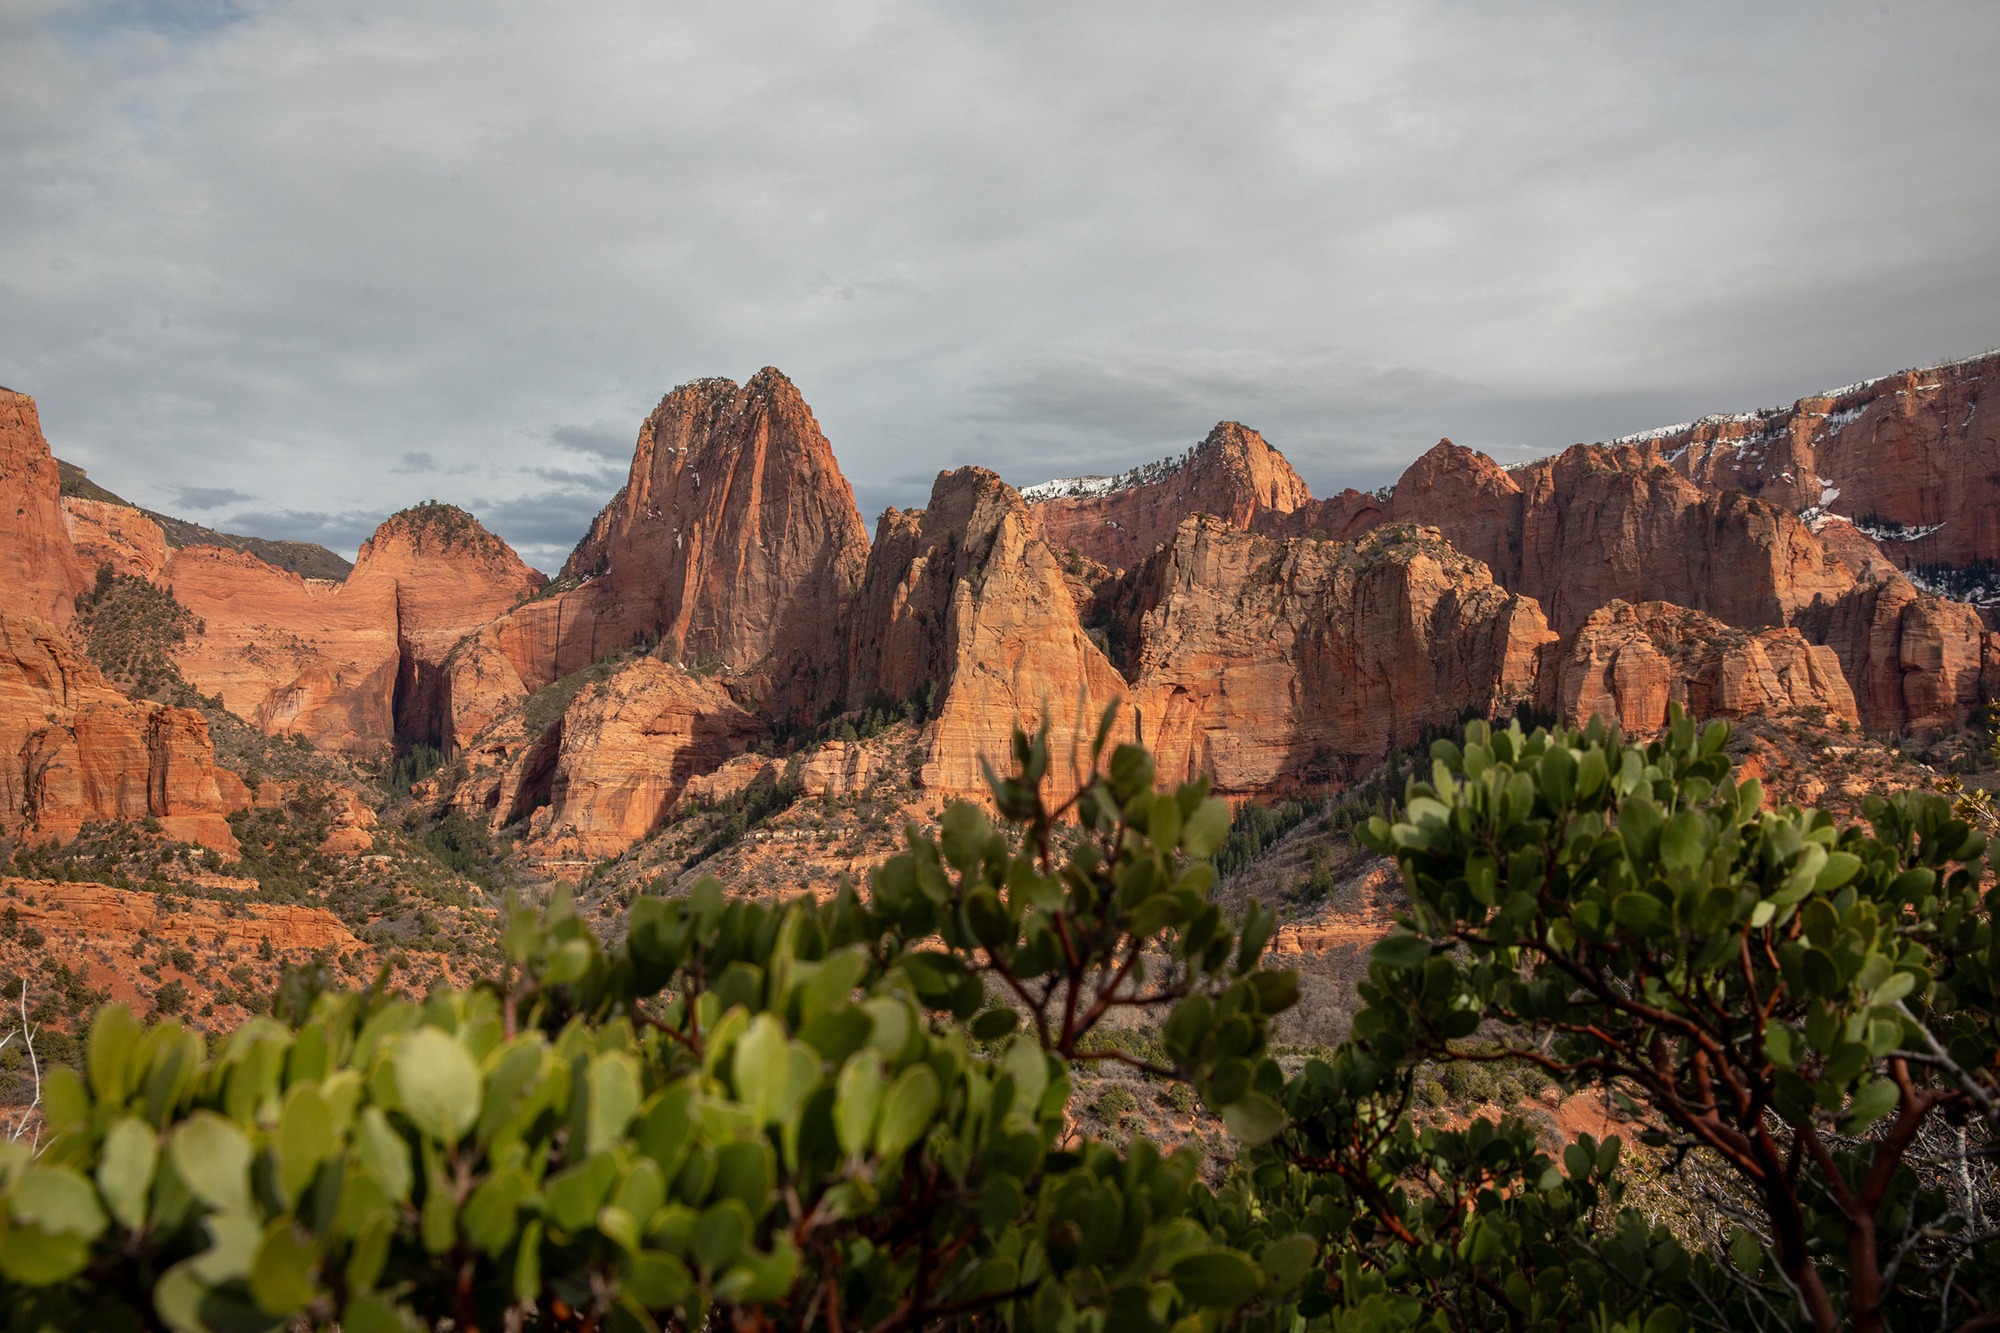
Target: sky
x,y
284,268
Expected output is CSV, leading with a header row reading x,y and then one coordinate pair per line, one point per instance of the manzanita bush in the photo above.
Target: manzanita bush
x,y
804,1116
850,1114
1792,1001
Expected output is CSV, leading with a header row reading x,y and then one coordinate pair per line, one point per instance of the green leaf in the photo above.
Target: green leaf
x,y
438,1082
857,1100
995,1024
125,1170
1218,1278
1253,1118
305,1138
1640,913
1869,1104
1286,1261
35,1258
1401,951
114,1036
58,1200
383,1151
725,1228
281,1280
1206,829
212,1157
906,1110
614,1099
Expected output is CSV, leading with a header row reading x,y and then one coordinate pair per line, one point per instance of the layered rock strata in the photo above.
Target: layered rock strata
x,y
1273,665
116,535
612,766
1627,663
74,750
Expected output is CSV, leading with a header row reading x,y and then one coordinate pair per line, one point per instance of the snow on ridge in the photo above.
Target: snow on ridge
x,y
1069,488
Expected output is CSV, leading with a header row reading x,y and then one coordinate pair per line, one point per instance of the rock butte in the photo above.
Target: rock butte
x,y
1248,631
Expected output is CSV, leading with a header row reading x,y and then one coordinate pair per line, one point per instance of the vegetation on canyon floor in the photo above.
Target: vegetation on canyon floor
x,y
870,1110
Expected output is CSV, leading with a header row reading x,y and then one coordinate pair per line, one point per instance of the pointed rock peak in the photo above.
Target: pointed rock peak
x,y
1447,460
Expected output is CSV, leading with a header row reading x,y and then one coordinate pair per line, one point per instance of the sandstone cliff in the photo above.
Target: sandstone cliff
x,y
611,766
962,595
1117,521
298,657
73,750
448,577
735,541
116,535
1914,457
1273,665
1628,662
39,570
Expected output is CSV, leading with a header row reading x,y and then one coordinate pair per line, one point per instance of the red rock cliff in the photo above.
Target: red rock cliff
x,y
39,572
1232,474
73,749
735,540
963,595
447,577
1277,665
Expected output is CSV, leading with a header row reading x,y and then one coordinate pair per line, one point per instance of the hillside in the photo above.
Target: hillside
x,y
306,559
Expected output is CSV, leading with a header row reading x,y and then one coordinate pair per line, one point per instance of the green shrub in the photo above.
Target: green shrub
x,y
733,1118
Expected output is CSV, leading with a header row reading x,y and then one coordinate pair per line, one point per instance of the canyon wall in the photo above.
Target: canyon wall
x,y
38,566
74,750
1117,521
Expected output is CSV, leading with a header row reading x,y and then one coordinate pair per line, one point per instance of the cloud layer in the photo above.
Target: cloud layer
x,y
297,265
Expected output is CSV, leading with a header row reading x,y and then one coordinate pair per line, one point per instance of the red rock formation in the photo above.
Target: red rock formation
x,y
39,572
1117,521
1597,524
73,750
115,535
296,656
1916,455
735,540
611,768
963,596
1272,665
1914,660
1628,662
449,578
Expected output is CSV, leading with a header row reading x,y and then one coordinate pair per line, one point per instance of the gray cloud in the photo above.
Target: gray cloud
x,y
208,497
297,247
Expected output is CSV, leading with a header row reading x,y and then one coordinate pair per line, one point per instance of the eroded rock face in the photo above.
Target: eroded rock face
x,y
299,657
617,761
448,577
1597,525
39,573
965,597
1232,474
1273,665
1629,662
73,750
1914,457
735,541
115,535
1914,660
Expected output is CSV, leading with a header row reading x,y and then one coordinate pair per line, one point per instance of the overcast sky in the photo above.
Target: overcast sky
x,y
284,268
